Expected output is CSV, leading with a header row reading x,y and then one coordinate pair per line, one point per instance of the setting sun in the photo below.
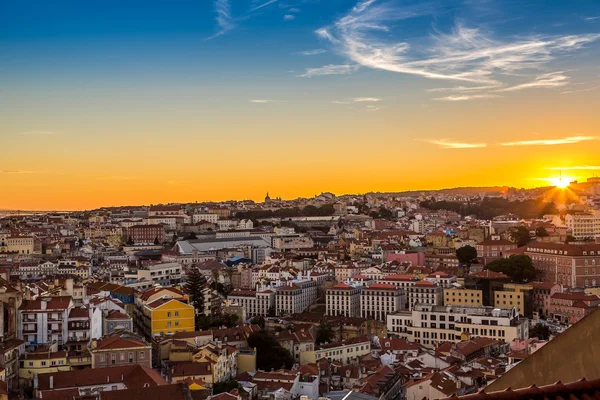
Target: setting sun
x,y
561,182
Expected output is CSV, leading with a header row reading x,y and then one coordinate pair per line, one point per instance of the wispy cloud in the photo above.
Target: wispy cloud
x,y
225,21
17,172
462,89
38,133
551,142
342,69
289,17
449,144
371,108
263,5
357,100
592,18
577,168
116,178
265,101
588,89
464,97
312,52
553,79
472,56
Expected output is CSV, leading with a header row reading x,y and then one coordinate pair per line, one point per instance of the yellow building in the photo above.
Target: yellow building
x,y
167,316
17,244
42,363
515,295
246,360
462,297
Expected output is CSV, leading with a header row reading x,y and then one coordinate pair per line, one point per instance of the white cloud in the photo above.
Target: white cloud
x,y
592,18
356,100
449,144
551,142
467,55
263,5
264,101
464,97
312,52
224,19
550,80
343,69
289,17
293,10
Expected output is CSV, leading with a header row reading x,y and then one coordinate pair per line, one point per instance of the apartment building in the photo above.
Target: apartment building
x,y
346,352
401,281
256,303
209,217
494,248
569,265
380,299
432,324
295,297
572,307
542,292
343,300
120,349
44,320
425,292
463,297
291,242
583,225
17,244
515,295
145,234
167,316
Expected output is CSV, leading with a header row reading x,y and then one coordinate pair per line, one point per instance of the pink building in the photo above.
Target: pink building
x,y
572,307
415,258
542,291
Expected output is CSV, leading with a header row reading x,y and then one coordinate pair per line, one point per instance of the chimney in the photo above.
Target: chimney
x,y
51,382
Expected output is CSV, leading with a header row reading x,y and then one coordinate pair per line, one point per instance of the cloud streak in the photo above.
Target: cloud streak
x,y
17,172
265,101
551,142
263,5
464,97
289,17
312,52
331,69
449,144
224,20
38,133
468,55
357,100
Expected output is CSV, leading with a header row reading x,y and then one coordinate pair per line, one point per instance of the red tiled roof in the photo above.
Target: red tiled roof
x,y
382,286
581,389
118,342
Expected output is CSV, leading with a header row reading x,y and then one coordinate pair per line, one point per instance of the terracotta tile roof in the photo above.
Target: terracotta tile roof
x,y
487,274
54,303
132,375
582,389
189,368
381,286
118,342
152,291
171,392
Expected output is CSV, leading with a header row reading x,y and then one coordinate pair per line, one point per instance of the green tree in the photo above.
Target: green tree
x,y
195,288
520,236
225,387
466,255
540,331
269,353
541,232
325,333
258,320
129,241
156,242
517,267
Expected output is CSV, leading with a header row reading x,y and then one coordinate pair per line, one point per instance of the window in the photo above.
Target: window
x,y
130,357
43,363
177,313
169,314
142,355
113,358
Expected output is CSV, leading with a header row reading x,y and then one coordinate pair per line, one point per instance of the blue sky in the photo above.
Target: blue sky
x,y
434,80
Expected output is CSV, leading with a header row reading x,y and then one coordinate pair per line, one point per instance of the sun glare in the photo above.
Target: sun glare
x,y
561,182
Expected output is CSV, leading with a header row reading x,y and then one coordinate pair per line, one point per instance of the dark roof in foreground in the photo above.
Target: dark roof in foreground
x,y
581,389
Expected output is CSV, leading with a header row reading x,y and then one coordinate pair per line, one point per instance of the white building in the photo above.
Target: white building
x,y
209,217
343,300
425,292
256,303
295,297
44,320
380,299
345,352
584,225
432,324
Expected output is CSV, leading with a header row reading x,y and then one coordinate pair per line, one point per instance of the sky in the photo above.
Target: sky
x,y
140,102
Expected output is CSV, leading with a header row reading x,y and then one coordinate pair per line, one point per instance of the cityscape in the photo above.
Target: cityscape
x,y
299,200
